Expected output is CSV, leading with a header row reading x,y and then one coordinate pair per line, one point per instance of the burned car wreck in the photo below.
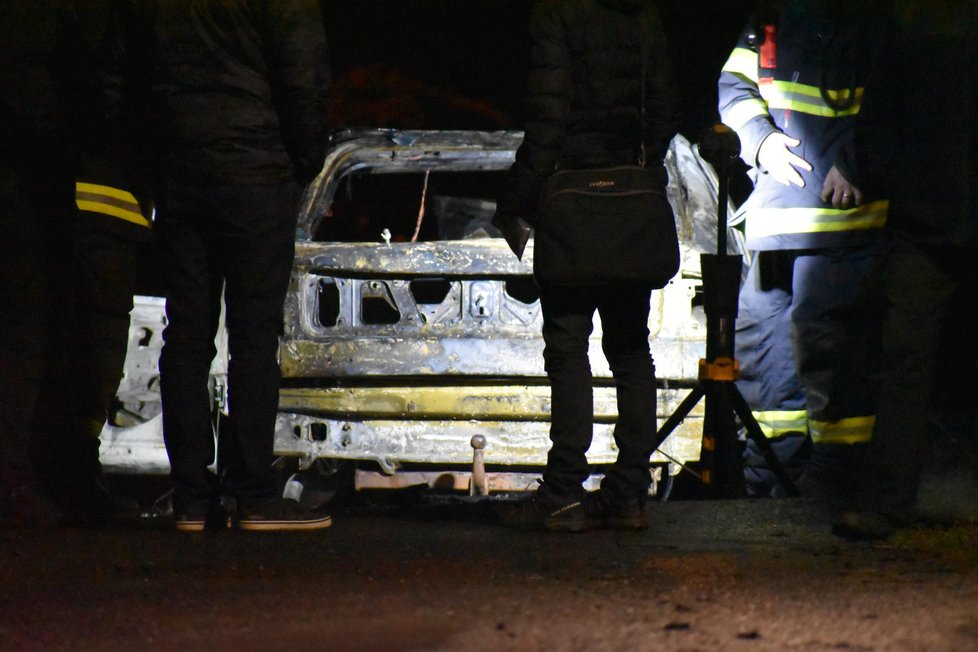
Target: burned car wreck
x,y
415,358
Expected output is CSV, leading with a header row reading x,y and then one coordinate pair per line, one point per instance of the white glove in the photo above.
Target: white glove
x,y
776,158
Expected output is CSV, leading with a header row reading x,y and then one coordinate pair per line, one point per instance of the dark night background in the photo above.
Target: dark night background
x,y
454,64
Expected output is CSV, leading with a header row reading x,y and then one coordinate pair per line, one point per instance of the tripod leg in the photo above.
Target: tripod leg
x,y
681,413
723,452
755,433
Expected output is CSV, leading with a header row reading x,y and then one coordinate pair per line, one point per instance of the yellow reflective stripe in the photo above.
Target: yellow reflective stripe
x,y
808,99
113,211
743,63
108,191
854,430
110,201
778,221
743,112
778,423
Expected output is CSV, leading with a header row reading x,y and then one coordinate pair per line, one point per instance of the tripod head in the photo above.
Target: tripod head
x,y
719,145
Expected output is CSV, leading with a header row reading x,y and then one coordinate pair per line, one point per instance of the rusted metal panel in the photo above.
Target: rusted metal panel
x,y
478,329
479,258
391,443
513,419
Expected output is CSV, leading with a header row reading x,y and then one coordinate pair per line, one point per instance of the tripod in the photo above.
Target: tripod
x,y
721,457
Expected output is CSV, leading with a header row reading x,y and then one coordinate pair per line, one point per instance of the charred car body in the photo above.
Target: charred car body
x,y
418,360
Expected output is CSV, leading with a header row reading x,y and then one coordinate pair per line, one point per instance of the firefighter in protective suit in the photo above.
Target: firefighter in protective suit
x,y
808,315
111,235
110,238
66,269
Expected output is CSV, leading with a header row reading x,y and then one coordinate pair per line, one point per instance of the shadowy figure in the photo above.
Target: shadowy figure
x,y
917,140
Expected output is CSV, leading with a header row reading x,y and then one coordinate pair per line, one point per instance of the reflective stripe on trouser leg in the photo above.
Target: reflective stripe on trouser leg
x,y
768,380
836,333
778,423
853,430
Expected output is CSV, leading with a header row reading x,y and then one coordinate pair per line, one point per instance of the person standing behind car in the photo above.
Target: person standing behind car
x,y
240,93
917,140
585,111
38,160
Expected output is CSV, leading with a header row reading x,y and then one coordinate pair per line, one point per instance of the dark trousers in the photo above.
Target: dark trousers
x,y
106,278
66,285
567,323
807,341
239,240
921,282
102,283
37,211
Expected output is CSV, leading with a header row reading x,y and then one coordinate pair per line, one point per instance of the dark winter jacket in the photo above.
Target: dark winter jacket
x,y
584,100
800,67
34,131
53,121
109,171
917,137
239,88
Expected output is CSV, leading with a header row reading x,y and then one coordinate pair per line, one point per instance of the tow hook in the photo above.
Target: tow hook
x,y
479,485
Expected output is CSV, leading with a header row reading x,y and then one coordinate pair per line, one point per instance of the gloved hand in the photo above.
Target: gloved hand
x,y
839,192
776,158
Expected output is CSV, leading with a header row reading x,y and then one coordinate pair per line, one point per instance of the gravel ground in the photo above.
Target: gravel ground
x,y
437,574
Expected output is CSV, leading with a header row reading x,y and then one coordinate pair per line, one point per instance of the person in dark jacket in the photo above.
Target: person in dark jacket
x,y
807,321
584,112
917,140
37,165
109,235
240,92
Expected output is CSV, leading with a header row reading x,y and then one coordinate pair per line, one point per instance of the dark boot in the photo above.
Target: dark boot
x,y
546,510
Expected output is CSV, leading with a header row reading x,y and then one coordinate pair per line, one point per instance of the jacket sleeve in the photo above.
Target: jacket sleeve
x,y
742,108
548,104
109,120
298,63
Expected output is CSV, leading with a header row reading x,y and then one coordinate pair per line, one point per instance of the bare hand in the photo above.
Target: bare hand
x,y
839,192
776,158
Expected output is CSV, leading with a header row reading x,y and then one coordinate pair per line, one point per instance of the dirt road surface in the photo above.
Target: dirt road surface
x,y
442,575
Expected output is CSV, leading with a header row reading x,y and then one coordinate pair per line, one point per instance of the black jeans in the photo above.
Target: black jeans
x,y
567,323
239,240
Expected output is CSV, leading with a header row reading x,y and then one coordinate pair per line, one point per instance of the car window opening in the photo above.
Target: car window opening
x,y
448,206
